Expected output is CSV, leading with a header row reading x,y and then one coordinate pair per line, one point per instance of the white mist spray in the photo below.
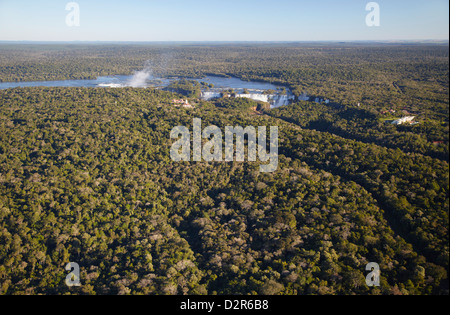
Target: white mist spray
x,y
140,78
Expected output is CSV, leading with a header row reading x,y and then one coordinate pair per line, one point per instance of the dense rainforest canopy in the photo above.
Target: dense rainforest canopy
x,y
86,175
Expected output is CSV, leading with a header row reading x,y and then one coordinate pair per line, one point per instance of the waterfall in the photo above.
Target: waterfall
x,y
256,97
206,96
274,100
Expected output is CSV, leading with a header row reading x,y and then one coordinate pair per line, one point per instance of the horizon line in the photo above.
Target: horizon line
x,y
236,41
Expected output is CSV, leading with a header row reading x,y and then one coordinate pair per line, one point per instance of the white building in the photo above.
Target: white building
x,y
403,120
182,103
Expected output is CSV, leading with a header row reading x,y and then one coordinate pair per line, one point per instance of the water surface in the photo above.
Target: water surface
x,y
255,89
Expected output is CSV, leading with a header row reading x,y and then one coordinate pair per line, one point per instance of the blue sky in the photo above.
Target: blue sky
x,y
225,20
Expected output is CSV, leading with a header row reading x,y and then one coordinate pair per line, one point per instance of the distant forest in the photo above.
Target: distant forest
x,y
86,174
415,77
